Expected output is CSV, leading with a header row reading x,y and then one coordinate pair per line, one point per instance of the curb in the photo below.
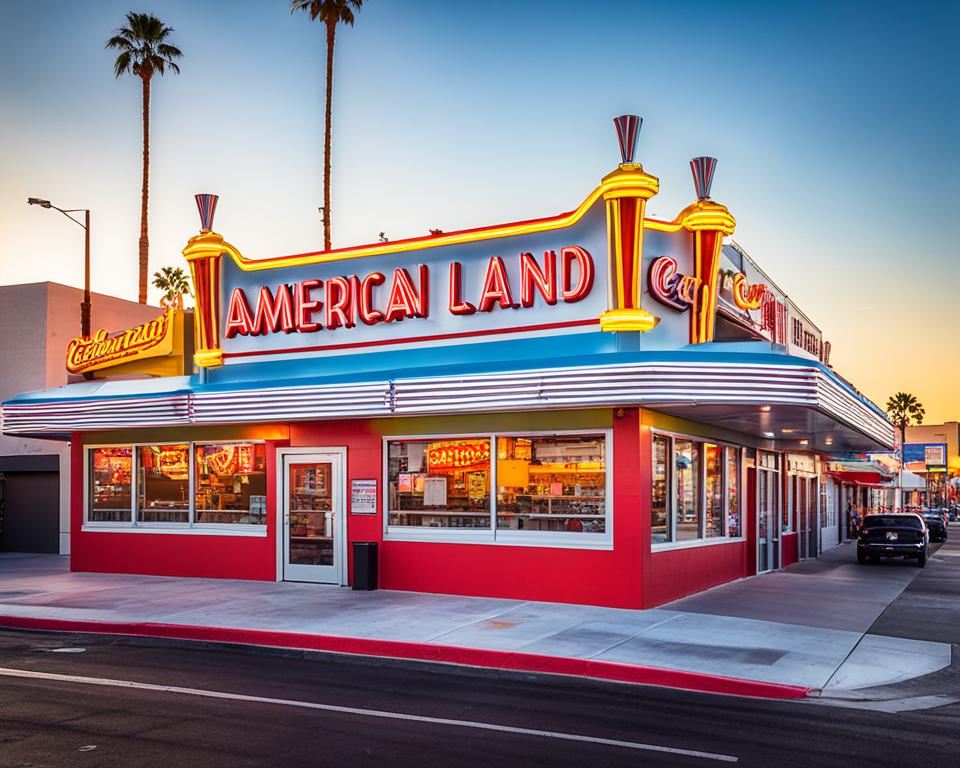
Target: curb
x,y
442,654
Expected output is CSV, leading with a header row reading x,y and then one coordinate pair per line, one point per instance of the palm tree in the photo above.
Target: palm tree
x,y
174,284
903,409
143,52
331,13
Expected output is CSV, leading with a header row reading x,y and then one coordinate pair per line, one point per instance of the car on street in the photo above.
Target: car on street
x,y
936,525
893,535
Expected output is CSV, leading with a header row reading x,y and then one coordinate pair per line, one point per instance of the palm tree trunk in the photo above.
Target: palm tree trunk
x,y
331,32
144,194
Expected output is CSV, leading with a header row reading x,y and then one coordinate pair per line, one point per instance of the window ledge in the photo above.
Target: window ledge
x,y
487,538
257,531
694,543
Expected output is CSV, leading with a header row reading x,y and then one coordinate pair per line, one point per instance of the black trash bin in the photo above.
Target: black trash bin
x,y
365,565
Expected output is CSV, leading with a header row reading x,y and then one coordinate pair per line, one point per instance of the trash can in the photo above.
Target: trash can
x,y
365,565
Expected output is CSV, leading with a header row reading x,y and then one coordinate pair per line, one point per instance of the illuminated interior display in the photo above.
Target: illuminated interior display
x,y
111,474
153,339
163,483
231,483
458,454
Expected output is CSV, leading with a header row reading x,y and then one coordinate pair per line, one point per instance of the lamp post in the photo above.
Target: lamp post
x,y
85,304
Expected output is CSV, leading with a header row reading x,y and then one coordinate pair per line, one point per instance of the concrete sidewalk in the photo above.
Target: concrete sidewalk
x,y
804,626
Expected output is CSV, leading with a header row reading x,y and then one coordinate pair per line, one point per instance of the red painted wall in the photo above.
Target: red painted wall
x,y
788,549
159,554
672,574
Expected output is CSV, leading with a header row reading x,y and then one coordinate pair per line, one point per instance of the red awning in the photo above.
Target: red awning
x,y
865,473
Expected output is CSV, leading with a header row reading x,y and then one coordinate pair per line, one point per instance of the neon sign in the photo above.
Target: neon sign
x,y
745,296
152,339
669,286
312,305
458,455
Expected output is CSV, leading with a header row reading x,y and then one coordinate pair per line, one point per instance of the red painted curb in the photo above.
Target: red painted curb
x,y
446,654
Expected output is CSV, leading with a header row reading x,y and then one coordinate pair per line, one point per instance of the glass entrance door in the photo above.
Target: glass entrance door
x,y
768,512
313,519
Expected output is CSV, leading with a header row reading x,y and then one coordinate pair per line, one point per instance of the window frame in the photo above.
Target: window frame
x,y
491,535
135,525
702,540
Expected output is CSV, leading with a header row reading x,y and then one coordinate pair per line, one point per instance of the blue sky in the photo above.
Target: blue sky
x,y
834,123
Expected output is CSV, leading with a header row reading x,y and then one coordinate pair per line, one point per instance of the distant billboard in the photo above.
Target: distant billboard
x,y
925,457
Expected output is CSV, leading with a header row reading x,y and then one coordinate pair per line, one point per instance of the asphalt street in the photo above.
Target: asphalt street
x,y
401,715
929,608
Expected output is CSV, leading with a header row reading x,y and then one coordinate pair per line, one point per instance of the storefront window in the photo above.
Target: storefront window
x,y
695,491
550,483
163,484
439,483
733,498
687,463
794,501
659,521
713,486
111,473
231,483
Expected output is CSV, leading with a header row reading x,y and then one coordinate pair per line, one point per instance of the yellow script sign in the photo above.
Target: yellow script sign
x,y
153,339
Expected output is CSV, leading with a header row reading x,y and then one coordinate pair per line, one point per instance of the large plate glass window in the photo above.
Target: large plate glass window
x,y
686,456
111,477
554,483
713,486
733,497
660,527
441,483
231,483
163,483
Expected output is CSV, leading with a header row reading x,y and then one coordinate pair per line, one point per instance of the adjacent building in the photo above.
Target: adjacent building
x,y
933,452
38,320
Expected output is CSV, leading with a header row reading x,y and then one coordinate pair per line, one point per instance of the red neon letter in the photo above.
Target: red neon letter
x,y
305,306
457,305
368,314
585,282
404,300
340,306
496,287
545,281
239,319
274,311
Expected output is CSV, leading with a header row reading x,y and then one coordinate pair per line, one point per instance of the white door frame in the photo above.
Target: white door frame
x,y
337,455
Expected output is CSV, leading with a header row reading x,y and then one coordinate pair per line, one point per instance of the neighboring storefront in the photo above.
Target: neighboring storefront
x,y
597,407
37,319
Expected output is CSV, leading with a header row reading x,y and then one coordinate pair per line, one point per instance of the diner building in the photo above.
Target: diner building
x,y
597,407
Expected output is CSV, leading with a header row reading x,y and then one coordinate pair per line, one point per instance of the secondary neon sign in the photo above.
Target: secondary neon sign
x,y
678,291
669,286
151,339
312,305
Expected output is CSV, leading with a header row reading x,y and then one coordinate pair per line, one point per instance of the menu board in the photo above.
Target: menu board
x,y
363,497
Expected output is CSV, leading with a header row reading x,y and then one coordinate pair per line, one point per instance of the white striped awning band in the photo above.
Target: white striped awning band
x,y
624,384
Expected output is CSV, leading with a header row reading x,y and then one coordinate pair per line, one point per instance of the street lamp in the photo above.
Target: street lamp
x,y
85,304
